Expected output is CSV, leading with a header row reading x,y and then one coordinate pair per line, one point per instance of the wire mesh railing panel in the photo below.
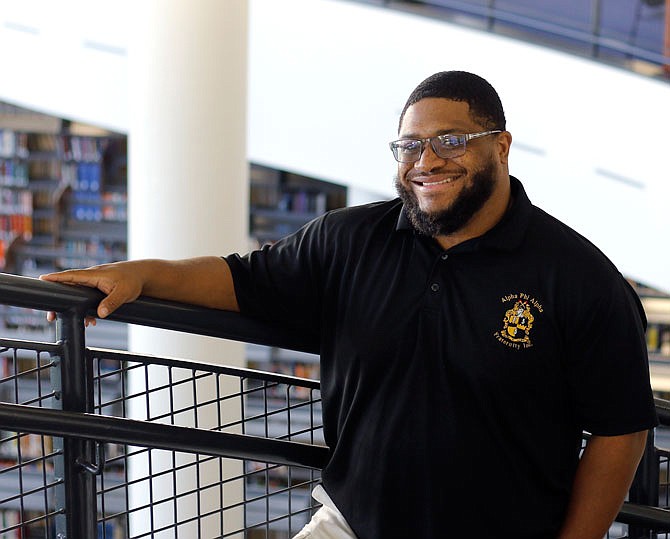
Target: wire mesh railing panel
x,y
197,424
278,500
145,492
663,451
664,480
164,493
27,461
177,494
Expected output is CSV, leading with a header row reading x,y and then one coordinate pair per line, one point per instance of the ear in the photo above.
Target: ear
x,y
504,141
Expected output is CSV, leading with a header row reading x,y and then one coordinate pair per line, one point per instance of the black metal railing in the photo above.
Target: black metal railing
x,y
618,31
70,454
104,443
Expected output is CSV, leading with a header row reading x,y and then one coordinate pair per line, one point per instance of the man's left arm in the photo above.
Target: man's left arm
x,y
603,477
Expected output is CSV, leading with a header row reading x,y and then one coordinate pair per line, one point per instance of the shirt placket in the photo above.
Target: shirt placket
x,y
436,284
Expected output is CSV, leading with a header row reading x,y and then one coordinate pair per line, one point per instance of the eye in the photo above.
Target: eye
x,y
408,145
450,141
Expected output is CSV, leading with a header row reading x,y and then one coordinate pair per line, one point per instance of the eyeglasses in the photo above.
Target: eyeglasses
x,y
409,150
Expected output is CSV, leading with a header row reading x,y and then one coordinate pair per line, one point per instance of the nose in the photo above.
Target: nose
x,y
429,160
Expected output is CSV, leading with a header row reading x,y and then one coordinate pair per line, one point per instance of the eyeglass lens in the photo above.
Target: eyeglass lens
x,y
445,146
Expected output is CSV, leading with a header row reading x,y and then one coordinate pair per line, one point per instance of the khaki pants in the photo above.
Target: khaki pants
x,y
327,522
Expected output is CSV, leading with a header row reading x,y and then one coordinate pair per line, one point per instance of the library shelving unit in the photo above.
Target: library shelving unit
x,y
280,203
656,305
63,195
63,206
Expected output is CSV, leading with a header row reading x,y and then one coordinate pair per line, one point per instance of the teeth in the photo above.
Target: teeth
x,y
448,180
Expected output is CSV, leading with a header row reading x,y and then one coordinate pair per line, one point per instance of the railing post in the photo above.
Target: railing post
x,y
76,496
645,487
491,18
596,17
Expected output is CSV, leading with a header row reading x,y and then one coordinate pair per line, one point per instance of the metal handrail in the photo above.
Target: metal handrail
x,y
493,14
645,516
76,302
33,293
219,444
48,296
76,430
119,430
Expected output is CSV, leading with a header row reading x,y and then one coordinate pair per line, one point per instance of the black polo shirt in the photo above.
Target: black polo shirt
x,y
456,384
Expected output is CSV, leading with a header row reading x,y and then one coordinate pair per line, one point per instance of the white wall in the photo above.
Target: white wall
x,y
326,89
328,78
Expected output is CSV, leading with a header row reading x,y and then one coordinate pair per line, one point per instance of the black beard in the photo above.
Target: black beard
x,y
452,219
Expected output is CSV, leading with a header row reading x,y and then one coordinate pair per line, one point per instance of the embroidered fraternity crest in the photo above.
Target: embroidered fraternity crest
x,y
518,320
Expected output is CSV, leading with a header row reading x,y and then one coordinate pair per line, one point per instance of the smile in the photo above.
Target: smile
x,y
430,184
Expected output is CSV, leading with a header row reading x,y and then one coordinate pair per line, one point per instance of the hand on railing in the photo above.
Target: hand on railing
x,y
122,282
203,281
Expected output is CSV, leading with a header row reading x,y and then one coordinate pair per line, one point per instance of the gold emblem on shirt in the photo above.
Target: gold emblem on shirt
x,y
518,321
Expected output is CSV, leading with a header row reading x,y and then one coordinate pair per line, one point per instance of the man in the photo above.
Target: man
x,y
468,339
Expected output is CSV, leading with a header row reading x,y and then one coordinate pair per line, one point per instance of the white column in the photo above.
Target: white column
x,y
187,191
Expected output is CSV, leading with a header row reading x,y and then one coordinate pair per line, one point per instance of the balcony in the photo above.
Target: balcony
x,y
109,444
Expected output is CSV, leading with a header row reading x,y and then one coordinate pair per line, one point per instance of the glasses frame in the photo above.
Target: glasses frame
x,y
457,151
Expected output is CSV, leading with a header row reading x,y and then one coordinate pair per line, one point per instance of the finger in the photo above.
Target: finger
x,y
82,277
119,294
90,321
90,278
105,309
112,283
110,303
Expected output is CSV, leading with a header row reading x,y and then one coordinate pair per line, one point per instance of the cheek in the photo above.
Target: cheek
x,y
474,165
403,170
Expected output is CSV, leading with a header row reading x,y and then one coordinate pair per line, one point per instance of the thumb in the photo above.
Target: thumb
x,y
116,297
104,309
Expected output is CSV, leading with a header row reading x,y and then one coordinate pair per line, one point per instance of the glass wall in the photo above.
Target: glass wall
x,y
622,31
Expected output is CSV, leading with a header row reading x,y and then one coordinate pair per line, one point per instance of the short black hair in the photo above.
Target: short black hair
x,y
485,105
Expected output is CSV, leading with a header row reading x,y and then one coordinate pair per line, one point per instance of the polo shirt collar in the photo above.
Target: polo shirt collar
x,y
505,235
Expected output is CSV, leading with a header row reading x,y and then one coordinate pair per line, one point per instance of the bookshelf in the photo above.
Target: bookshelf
x,y
63,194
656,304
64,200
280,203
63,189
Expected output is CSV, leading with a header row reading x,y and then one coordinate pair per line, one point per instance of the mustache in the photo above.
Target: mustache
x,y
456,215
411,175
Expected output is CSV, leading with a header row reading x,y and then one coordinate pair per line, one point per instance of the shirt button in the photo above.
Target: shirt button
x,y
445,256
434,287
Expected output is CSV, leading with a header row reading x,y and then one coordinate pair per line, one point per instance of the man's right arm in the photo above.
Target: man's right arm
x,y
205,281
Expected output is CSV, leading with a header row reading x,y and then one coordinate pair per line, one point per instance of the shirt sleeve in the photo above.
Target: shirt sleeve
x,y
283,281
607,363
